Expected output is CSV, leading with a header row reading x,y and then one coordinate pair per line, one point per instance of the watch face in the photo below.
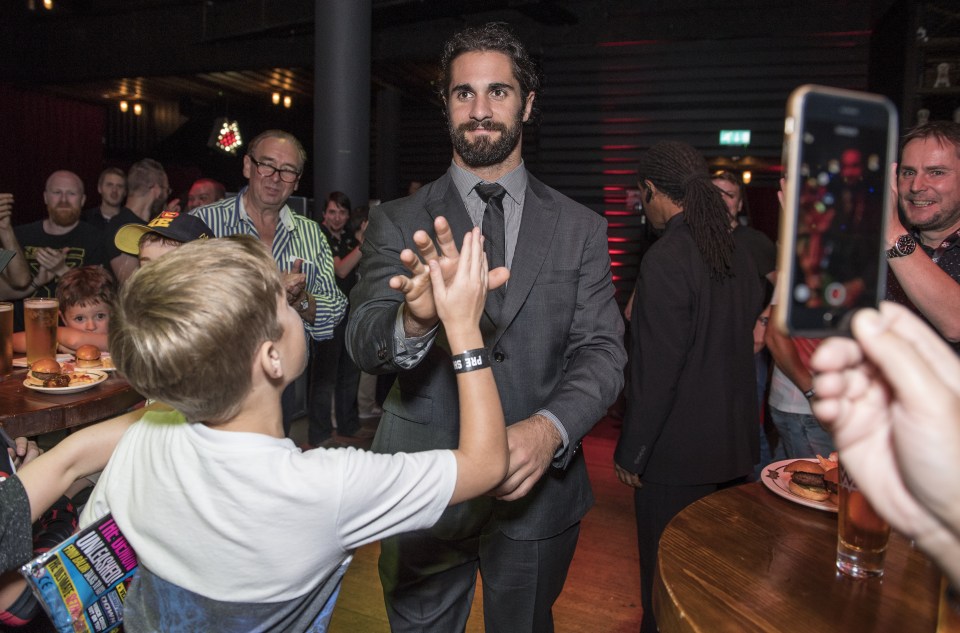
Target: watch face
x,y
906,244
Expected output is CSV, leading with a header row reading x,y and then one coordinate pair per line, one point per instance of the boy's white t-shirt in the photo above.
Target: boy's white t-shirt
x,y
244,517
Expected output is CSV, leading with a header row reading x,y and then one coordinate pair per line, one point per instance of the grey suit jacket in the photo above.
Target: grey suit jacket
x,y
556,344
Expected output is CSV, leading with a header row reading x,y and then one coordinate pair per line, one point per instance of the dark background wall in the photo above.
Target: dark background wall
x,y
619,76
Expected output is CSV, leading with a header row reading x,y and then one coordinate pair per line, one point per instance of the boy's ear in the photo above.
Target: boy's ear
x,y
269,359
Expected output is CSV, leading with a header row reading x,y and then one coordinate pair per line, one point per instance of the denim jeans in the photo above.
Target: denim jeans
x,y
801,434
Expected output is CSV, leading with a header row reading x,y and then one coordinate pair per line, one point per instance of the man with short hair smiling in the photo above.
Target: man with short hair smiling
x,y
928,190
273,165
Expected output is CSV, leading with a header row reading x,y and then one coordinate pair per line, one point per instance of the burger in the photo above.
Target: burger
x,y
88,356
807,480
831,481
45,369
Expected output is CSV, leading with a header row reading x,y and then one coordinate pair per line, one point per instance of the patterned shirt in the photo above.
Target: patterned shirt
x,y
948,261
297,238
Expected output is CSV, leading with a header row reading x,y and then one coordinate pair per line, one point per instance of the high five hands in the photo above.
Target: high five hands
x,y
420,313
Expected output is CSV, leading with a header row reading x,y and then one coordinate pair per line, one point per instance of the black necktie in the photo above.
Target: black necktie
x,y
492,227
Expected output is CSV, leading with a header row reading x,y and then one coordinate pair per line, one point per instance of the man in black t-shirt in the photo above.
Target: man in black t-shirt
x,y
60,242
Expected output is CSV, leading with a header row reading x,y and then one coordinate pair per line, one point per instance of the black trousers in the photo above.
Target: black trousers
x,y
428,583
655,506
334,378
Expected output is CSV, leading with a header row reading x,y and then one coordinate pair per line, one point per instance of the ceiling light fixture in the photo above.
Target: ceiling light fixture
x,y
225,136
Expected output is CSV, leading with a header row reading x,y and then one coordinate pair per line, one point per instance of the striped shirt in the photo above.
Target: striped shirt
x,y
297,238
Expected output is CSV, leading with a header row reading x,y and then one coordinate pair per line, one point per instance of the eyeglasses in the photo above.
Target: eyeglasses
x,y
265,170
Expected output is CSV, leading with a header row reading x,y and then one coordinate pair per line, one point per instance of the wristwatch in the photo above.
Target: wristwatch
x,y
905,245
304,304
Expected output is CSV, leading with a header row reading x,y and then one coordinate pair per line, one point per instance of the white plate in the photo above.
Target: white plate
x,y
31,383
22,361
68,358
776,481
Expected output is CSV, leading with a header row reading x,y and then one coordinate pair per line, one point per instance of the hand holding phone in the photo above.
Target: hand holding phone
x,y
838,150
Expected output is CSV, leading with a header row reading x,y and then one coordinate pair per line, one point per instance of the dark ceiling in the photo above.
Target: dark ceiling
x,y
210,50
101,51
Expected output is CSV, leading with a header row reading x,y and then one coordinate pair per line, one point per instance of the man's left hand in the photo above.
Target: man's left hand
x,y
294,283
532,443
626,477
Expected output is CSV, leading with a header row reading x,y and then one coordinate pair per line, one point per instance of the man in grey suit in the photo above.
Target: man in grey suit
x,y
554,337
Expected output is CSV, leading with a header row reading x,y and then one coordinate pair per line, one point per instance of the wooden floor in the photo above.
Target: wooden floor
x,y
602,592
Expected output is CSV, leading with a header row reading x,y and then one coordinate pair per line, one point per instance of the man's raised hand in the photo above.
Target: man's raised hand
x,y
420,312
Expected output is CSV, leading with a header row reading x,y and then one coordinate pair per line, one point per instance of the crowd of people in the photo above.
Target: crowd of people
x,y
489,296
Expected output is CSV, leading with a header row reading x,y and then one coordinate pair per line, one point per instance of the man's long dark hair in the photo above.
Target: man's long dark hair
x,y
680,173
497,37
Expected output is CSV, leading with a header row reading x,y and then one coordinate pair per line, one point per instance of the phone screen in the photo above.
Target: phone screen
x,y
841,158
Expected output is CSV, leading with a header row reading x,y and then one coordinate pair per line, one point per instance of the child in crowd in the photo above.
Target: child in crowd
x,y
85,295
234,527
163,234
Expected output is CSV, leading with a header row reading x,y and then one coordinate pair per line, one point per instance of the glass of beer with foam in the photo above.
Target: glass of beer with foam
x,y
40,318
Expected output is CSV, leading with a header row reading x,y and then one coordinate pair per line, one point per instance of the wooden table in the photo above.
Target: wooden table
x,y
29,413
743,559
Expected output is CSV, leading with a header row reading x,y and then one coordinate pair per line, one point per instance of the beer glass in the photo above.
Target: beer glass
x,y
40,319
6,340
862,534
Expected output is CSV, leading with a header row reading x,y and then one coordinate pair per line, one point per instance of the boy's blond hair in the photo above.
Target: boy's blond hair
x,y
187,327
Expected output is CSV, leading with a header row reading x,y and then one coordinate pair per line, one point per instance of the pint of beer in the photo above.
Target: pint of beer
x,y
40,321
6,340
862,534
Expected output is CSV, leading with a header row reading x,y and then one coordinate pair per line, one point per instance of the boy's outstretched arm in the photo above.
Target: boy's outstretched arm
x,y
82,453
482,456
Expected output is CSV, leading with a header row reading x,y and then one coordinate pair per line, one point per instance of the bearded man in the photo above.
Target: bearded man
x,y
552,334
61,241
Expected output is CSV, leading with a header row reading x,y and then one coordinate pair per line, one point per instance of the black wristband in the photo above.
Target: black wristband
x,y
471,360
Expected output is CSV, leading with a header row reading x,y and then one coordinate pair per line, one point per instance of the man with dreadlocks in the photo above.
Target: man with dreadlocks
x,y
691,421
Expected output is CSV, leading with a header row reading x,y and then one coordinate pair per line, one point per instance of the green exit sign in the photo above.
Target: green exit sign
x,y
735,137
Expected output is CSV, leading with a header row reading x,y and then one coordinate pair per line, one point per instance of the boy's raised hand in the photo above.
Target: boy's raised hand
x,y
421,312
460,297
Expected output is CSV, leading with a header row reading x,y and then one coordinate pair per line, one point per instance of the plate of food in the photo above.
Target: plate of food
x,y
90,357
22,361
48,376
86,357
811,482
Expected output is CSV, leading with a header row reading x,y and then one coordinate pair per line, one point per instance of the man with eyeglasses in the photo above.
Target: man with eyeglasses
x,y
272,166
61,241
148,189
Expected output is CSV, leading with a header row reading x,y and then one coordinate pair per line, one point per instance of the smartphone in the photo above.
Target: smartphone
x,y
838,147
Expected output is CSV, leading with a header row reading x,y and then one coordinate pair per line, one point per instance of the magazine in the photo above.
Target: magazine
x,y
82,582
